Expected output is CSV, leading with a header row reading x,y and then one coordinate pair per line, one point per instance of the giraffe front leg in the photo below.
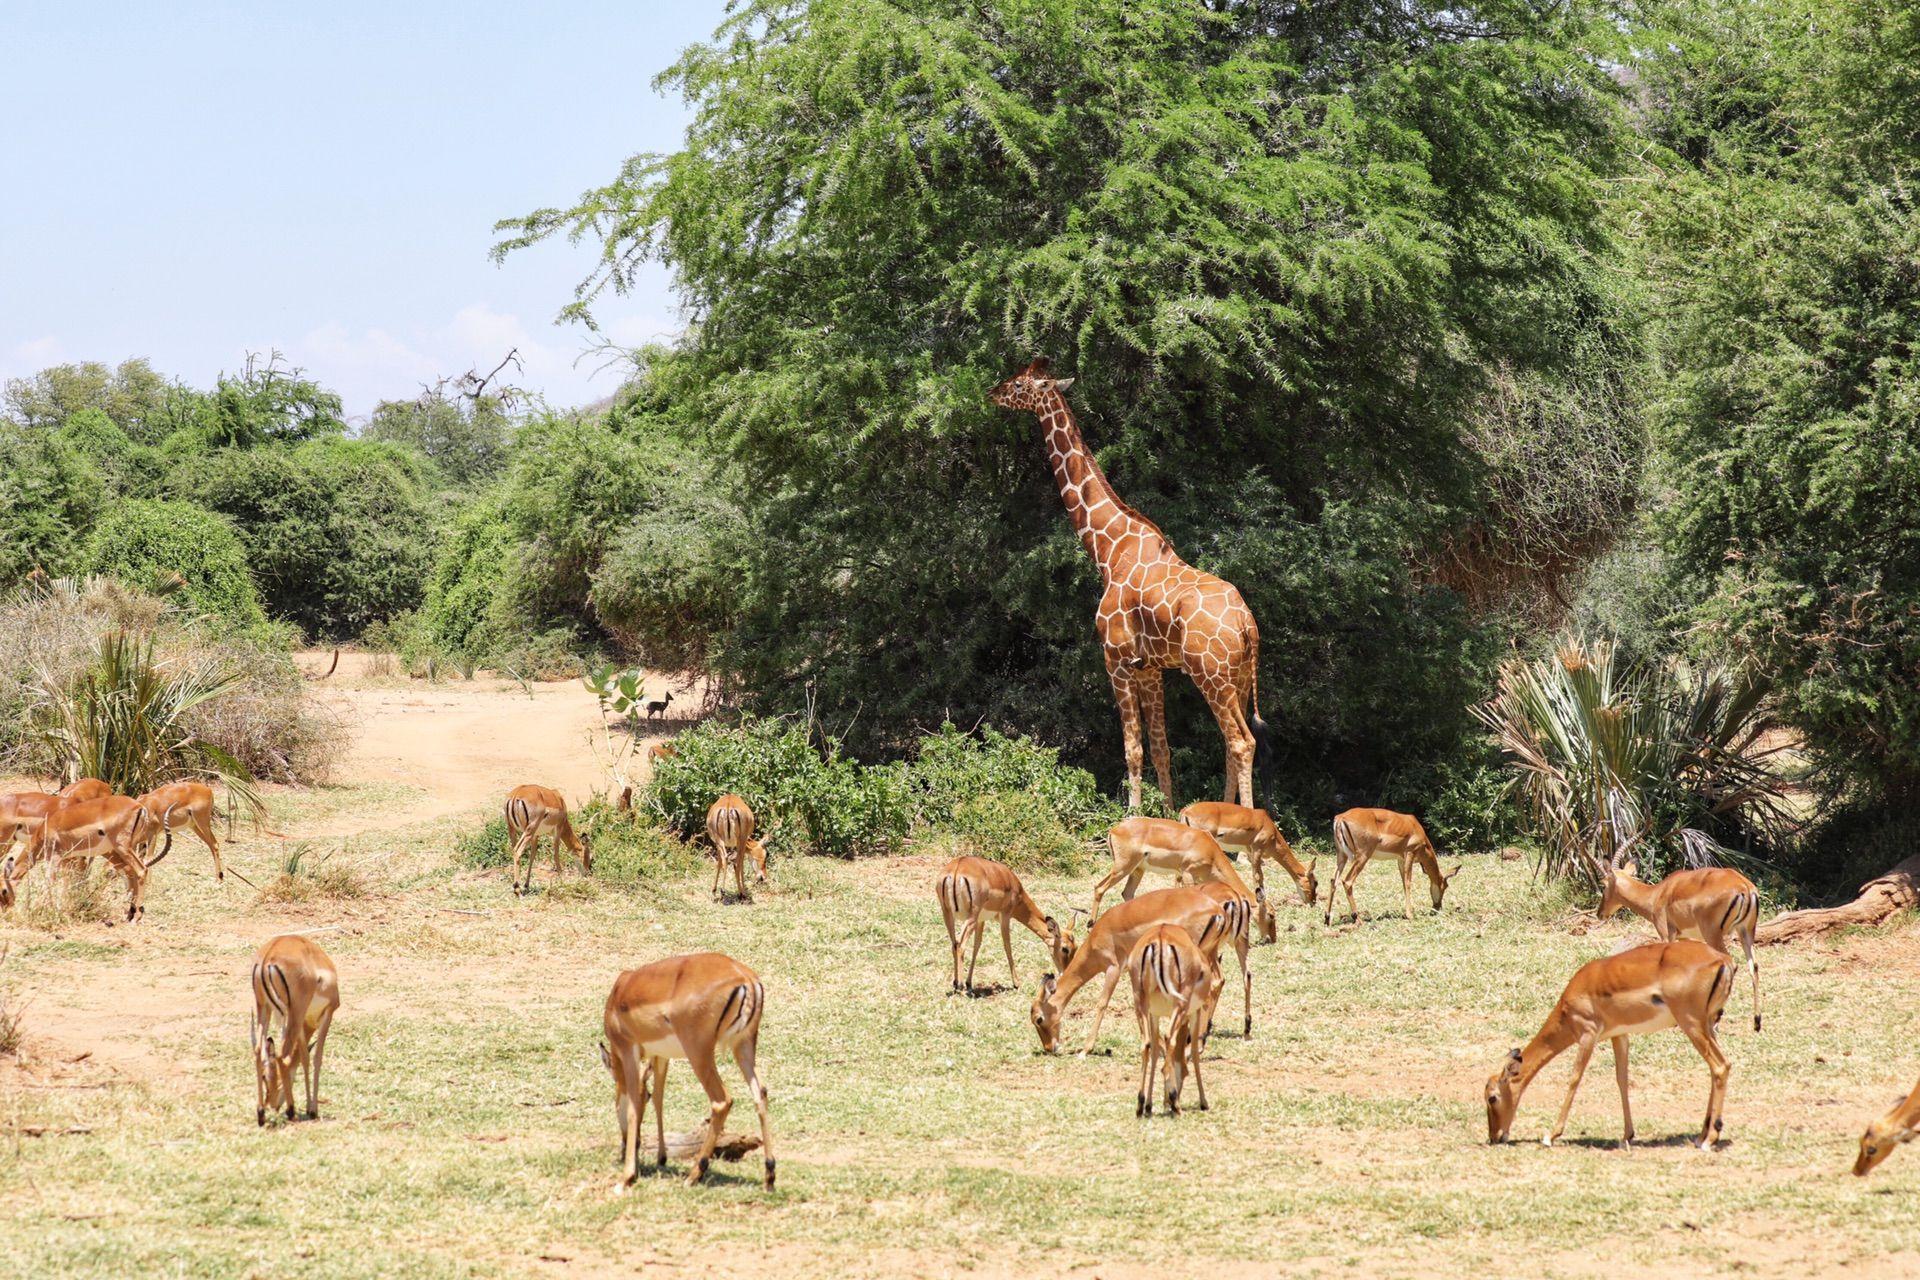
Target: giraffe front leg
x,y
1129,700
1153,709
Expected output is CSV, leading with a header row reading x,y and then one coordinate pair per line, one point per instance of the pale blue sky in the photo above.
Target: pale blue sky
x,y
190,182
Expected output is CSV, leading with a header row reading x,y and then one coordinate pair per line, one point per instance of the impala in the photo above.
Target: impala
x,y
692,1007
1193,856
1663,984
1893,1129
536,811
295,982
1174,979
1235,826
1360,834
22,813
972,890
116,828
86,789
192,802
730,825
1708,904
1111,940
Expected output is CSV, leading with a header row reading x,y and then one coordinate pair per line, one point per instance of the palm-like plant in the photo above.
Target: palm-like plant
x,y
124,720
1609,754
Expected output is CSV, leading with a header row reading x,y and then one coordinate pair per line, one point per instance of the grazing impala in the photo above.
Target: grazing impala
x,y
22,813
1174,979
1360,834
1193,856
190,802
1709,904
294,982
1663,984
730,824
692,1007
1111,940
972,890
1893,1129
536,811
114,827
1235,826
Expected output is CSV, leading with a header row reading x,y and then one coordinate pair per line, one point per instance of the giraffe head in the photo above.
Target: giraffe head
x,y
1032,388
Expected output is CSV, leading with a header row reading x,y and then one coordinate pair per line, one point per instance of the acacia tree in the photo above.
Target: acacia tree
x,y
1280,245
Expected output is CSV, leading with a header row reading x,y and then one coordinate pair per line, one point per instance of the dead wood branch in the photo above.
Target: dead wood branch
x,y
686,1145
1879,901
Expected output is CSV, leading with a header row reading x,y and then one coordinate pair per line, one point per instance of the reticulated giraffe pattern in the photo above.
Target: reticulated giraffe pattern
x,y
1156,610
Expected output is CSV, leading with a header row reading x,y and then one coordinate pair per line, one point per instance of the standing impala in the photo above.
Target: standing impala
x,y
1173,979
691,1007
22,813
1663,984
1361,834
1891,1130
1193,856
114,827
536,811
295,982
191,802
973,889
1235,826
1111,940
1709,904
730,824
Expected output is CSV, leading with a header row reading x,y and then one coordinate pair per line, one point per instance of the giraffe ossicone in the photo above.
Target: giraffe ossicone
x,y
1156,610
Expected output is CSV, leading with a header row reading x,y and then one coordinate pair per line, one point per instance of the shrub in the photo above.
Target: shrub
x,y
1605,753
804,799
627,849
129,469
148,542
951,769
49,497
1019,829
304,877
461,608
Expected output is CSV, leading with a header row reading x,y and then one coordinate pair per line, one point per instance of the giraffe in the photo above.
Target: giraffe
x,y
1156,610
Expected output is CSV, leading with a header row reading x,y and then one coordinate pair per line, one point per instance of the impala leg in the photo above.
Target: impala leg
x,y
743,1053
1406,883
700,1059
1746,942
1132,886
519,847
203,827
1100,1012
1006,941
656,1080
1143,1100
1121,870
979,927
1580,1061
719,867
1717,1065
319,1055
1246,981
1626,1104
1194,1043
633,1079
953,936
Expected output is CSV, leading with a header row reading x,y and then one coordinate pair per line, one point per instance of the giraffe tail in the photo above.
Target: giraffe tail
x,y
1262,735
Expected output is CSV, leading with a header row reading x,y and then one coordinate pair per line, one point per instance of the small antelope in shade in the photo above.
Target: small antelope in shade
x,y
1709,904
1359,835
188,802
296,984
692,1007
730,824
536,811
973,890
1235,826
1664,984
1172,979
1896,1128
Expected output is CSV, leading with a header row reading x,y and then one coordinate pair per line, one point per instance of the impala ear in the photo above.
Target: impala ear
x,y
1047,985
1314,865
606,1059
1456,871
1061,384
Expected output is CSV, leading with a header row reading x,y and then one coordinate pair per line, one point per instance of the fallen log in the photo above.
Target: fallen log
x,y
1879,901
685,1146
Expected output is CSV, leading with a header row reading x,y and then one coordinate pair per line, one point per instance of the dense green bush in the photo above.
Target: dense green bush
x,y
464,609
146,542
338,533
142,403
49,497
627,850
129,470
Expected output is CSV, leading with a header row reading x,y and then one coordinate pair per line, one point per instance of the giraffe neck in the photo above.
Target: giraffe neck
x,y
1098,515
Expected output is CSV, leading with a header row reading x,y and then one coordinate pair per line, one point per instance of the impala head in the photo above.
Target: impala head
x,y
1882,1136
1503,1098
1439,887
1310,887
273,1078
1032,388
1046,1019
1263,917
1061,942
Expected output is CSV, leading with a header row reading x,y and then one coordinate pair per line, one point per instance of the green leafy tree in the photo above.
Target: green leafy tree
x,y
1284,248
465,437
49,497
150,543
1783,248
140,402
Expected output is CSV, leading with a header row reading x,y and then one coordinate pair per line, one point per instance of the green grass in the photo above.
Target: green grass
x,y
468,1126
